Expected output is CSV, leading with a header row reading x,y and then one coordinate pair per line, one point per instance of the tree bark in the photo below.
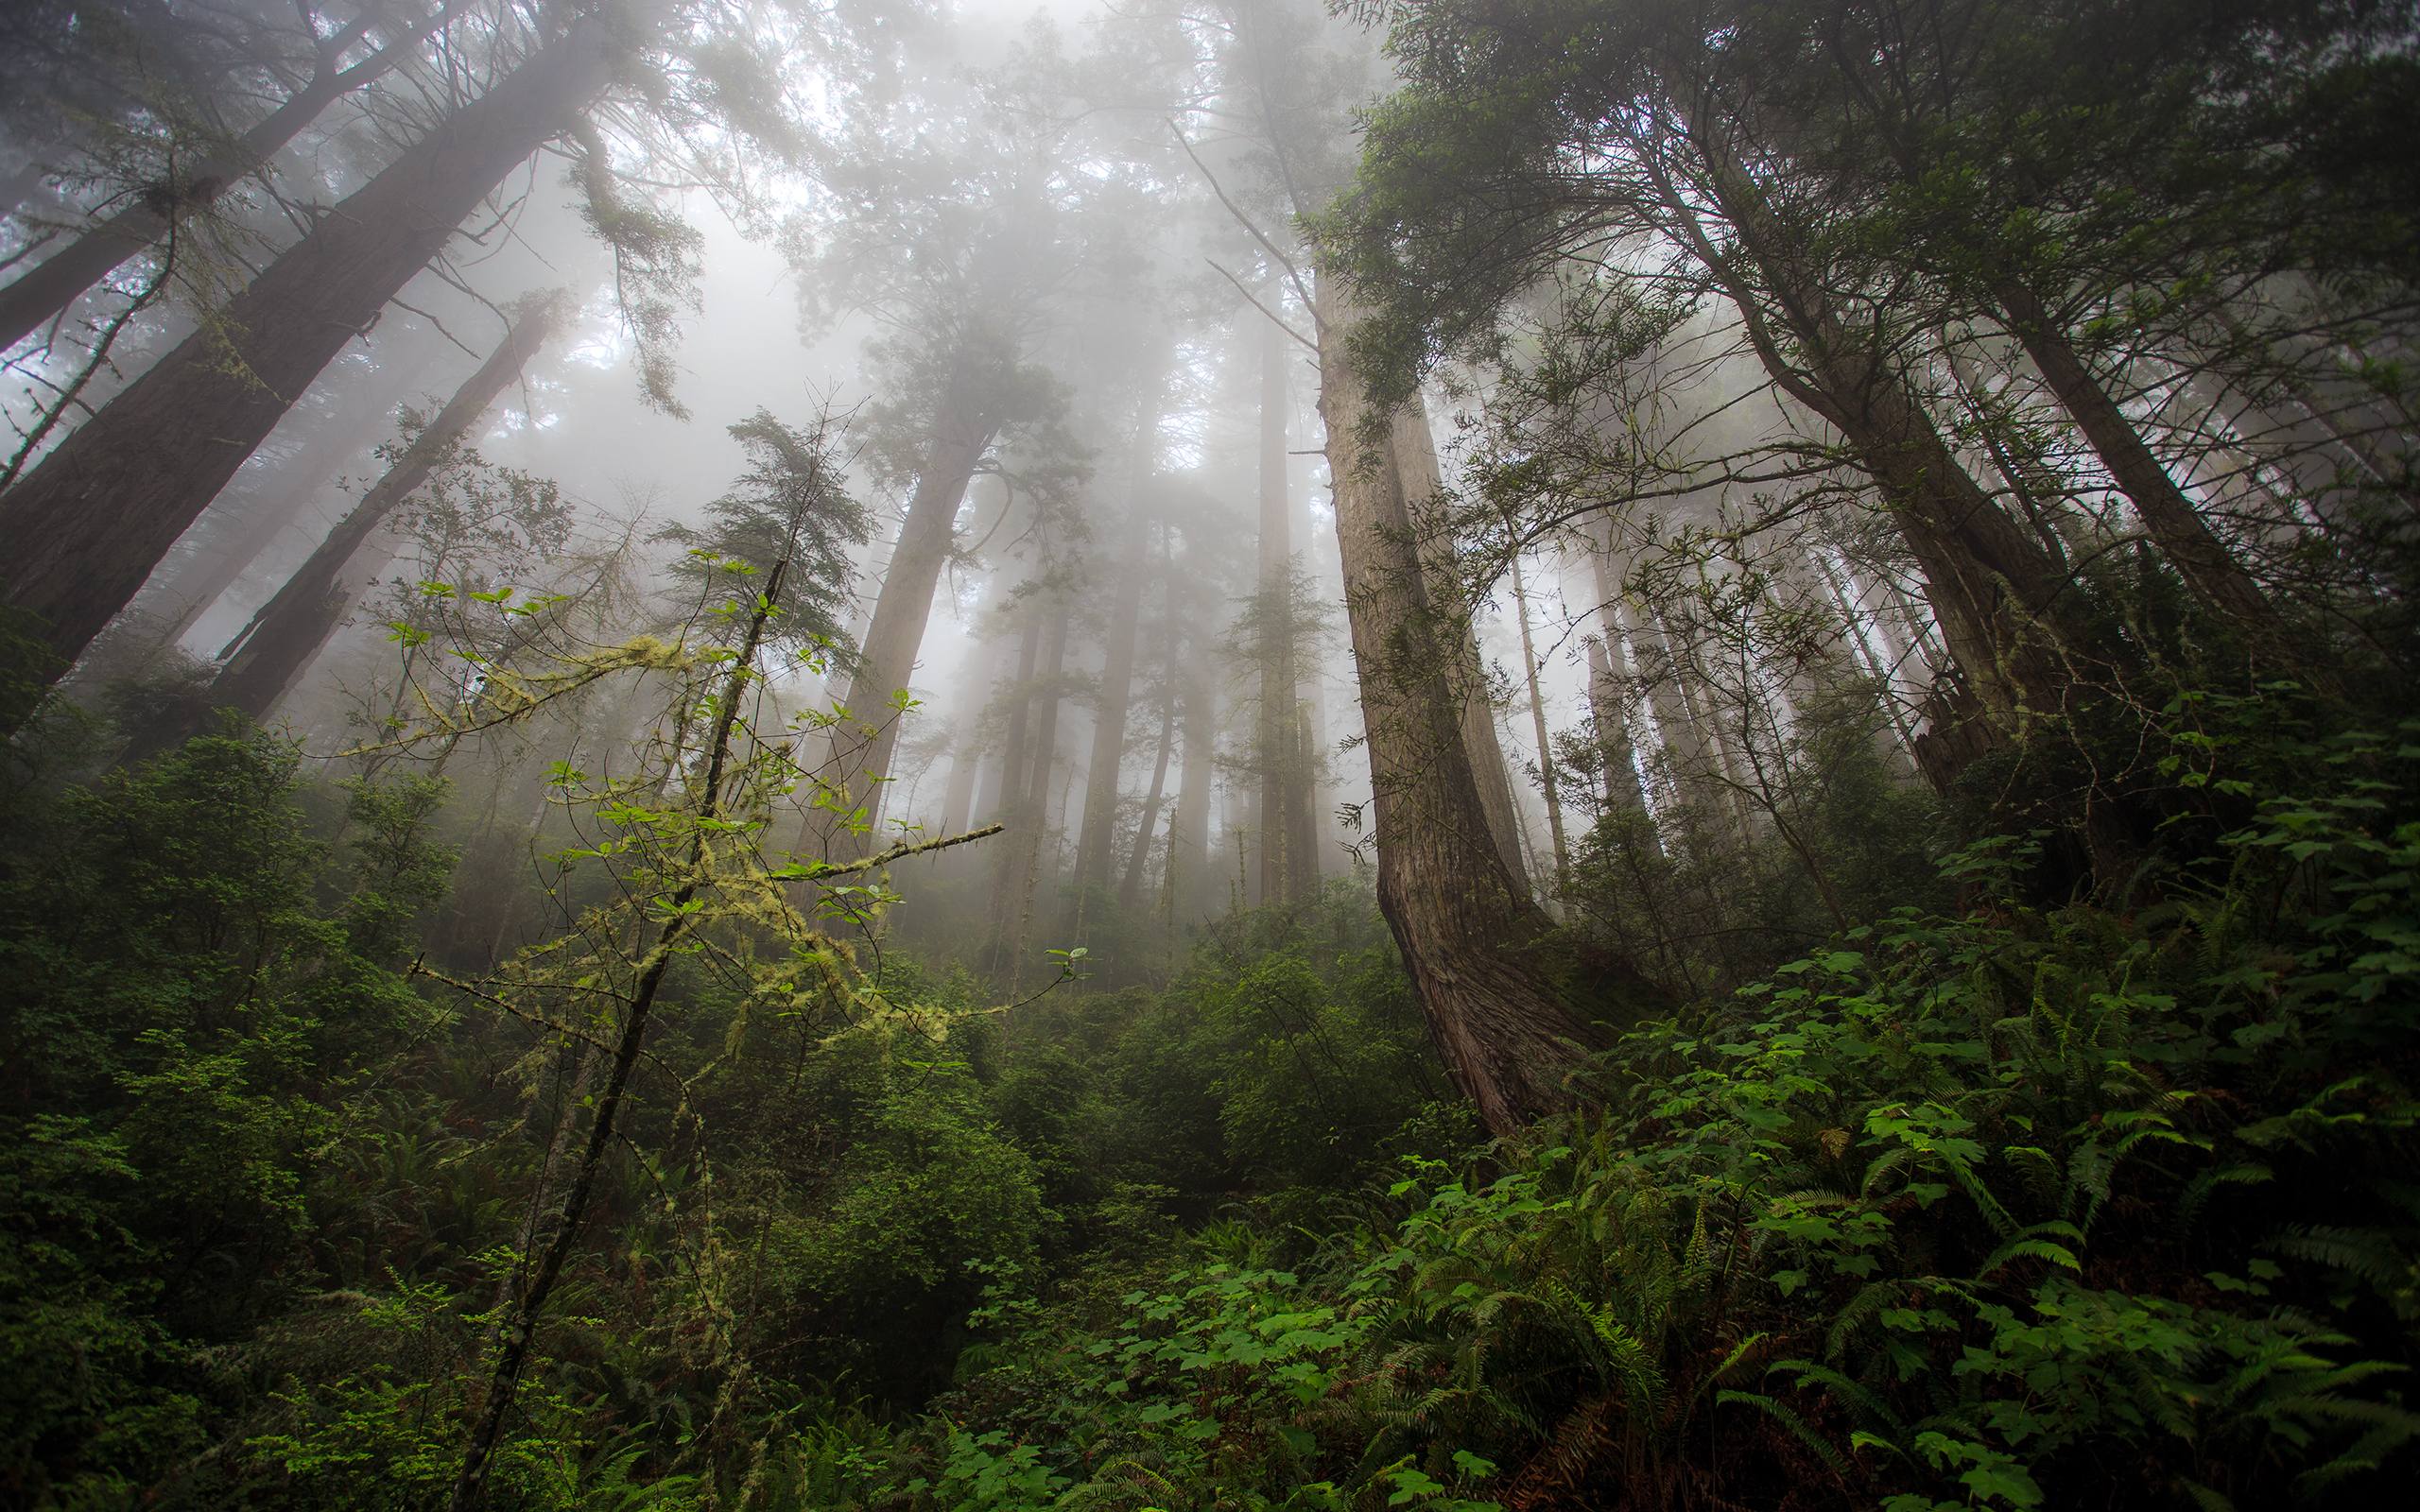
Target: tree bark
x,y
1274,740
2183,536
1189,869
1412,452
47,289
863,744
1462,920
1096,839
95,517
331,442
1008,804
1546,743
264,659
1130,888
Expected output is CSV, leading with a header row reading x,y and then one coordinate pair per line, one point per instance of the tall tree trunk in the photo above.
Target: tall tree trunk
x,y
1130,888
1546,743
1609,682
957,801
1097,840
237,543
1009,805
1412,454
93,518
1460,917
2183,536
2012,619
1189,864
47,289
1027,848
265,658
1276,740
862,744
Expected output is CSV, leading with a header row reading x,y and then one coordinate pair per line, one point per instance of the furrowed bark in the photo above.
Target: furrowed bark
x,y
47,289
96,515
1413,455
1465,924
265,658
2183,536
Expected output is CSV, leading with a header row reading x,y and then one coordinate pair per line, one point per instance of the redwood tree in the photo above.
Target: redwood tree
x,y
90,522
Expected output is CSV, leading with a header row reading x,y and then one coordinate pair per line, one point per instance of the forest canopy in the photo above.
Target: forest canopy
x,y
1247,756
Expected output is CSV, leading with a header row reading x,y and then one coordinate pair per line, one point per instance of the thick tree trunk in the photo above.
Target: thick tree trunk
x,y
2183,536
1412,452
92,520
862,744
1460,917
46,290
1097,840
265,658
236,544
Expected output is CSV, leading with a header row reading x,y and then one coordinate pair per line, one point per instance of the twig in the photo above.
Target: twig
x,y
1264,309
908,847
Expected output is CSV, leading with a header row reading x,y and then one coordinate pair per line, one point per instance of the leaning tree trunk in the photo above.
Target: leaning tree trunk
x,y
286,636
1463,921
90,522
1545,742
47,290
216,566
853,770
2183,536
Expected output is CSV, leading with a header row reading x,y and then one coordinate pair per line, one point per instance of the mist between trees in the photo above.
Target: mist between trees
x,y
1436,753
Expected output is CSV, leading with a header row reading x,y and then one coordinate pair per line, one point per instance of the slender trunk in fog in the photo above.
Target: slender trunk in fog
x,y
1008,804
957,801
96,515
1609,683
265,658
47,289
2183,536
1189,867
1130,889
1024,851
1546,743
863,744
1462,920
1274,739
1096,839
